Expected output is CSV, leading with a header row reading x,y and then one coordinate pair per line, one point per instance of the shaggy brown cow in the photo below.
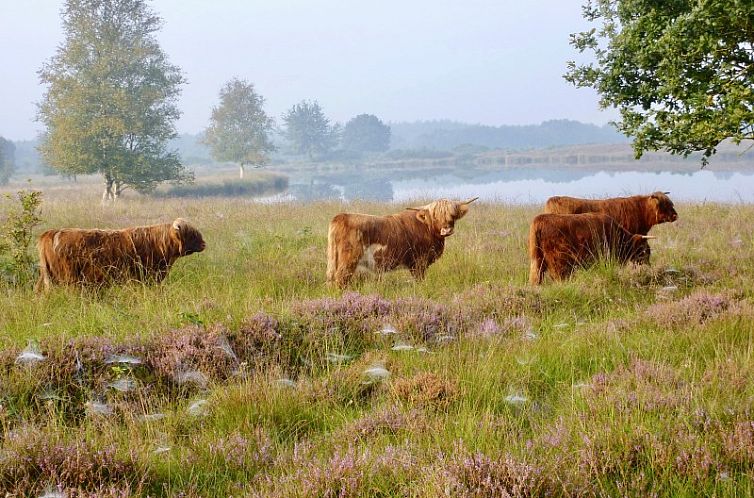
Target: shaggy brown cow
x,y
637,214
560,242
414,239
95,257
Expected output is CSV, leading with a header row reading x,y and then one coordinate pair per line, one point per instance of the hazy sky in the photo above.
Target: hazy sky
x,y
481,61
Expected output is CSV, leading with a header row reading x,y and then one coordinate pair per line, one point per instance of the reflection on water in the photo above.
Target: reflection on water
x,y
518,186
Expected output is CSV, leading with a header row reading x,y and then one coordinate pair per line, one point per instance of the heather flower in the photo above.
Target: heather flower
x,y
389,420
30,460
488,328
695,309
643,385
241,452
346,473
423,317
478,475
349,314
175,354
738,443
258,336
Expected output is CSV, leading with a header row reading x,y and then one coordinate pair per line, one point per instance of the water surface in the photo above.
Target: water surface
x,y
519,186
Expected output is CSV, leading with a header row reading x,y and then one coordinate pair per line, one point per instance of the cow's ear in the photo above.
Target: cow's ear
x,y
177,224
422,215
462,210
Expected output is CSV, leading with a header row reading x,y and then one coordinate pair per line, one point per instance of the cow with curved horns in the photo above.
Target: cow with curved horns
x,y
559,243
413,239
78,256
637,214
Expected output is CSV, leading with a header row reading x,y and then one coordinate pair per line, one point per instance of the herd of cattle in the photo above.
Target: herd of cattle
x,y
571,233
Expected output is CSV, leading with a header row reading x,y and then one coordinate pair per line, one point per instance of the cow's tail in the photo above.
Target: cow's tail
x,y
43,282
332,254
537,265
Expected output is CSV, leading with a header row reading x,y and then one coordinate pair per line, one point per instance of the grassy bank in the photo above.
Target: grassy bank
x,y
243,375
254,184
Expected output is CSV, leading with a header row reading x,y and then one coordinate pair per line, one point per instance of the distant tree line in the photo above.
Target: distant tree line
x,y
449,135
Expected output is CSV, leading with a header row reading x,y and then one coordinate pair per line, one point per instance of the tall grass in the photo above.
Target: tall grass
x,y
255,379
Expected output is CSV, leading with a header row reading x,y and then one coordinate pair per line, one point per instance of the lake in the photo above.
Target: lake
x,y
516,186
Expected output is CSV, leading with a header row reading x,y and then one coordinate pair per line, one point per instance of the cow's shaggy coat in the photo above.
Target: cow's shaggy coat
x,y
637,214
558,243
413,239
94,257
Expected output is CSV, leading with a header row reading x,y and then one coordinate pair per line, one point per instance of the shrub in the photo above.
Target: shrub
x,y
16,263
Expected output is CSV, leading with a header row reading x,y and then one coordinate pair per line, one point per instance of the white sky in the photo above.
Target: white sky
x,y
480,61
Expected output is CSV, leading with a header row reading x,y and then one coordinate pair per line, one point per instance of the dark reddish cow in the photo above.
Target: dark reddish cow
x,y
558,243
637,214
95,257
413,239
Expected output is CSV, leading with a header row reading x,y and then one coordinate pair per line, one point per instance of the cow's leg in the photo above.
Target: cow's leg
x,y
346,263
344,273
419,272
537,269
43,284
559,271
44,281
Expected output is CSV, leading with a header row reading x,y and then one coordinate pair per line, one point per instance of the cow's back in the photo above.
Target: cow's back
x,y
571,205
630,212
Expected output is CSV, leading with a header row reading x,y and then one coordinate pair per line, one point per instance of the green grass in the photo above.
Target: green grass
x,y
629,389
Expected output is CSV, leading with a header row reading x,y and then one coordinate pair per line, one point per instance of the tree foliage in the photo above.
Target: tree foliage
x,y
680,72
17,234
239,129
110,105
308,130
7,160
366,133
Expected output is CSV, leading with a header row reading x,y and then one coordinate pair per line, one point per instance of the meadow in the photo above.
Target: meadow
x,y
243,374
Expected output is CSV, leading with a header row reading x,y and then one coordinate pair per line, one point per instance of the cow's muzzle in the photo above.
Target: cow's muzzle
x,y
446,232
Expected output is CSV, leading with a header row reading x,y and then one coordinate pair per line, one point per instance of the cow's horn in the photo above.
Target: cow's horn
x,y
470,200
647,237
666,193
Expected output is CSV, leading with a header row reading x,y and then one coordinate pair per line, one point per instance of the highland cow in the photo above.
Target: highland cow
x,y
559,243
637,214
86,257
413,239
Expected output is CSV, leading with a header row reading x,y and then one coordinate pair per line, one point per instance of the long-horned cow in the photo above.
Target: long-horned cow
x,y
413,239
559,243
78,256
637,214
